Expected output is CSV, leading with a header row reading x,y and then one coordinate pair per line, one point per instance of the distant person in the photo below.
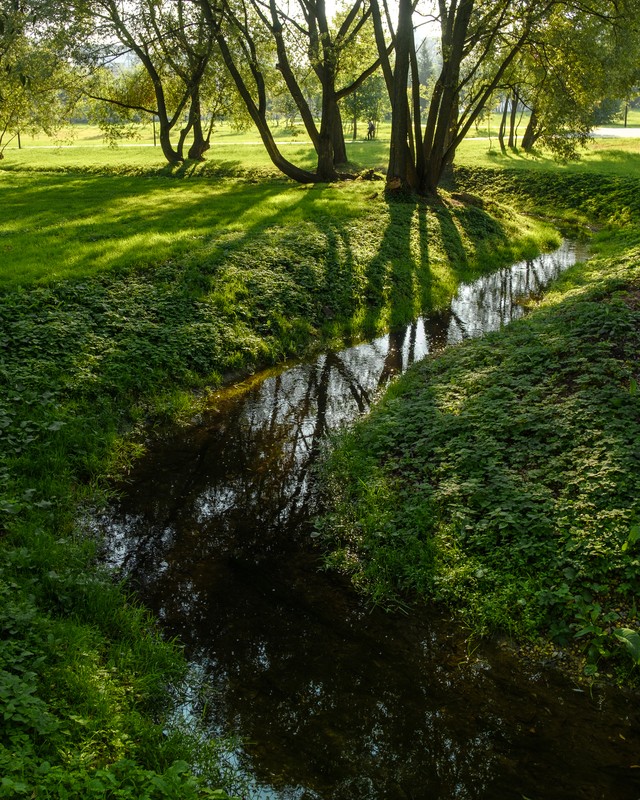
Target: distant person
x,y
371,131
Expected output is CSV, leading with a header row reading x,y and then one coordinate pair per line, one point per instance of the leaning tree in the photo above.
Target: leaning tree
x,y
304,41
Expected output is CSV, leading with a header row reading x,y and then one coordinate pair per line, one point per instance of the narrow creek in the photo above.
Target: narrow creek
x,y
334,700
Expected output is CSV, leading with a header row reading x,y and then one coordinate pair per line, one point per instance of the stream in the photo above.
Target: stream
x,y
334,700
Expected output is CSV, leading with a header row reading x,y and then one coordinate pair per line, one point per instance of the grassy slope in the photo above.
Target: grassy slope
x,y
502,476
117,294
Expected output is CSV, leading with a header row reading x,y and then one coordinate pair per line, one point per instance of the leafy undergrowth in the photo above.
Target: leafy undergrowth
x,y
84,363
608,199
502,476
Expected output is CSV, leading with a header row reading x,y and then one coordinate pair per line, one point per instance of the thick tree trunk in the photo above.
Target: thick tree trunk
x,y
531,133
172,155
401,167
339,144
440,133
200,143
326,161
418,149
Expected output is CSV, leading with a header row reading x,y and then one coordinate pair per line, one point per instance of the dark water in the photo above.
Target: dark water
x,y
336,701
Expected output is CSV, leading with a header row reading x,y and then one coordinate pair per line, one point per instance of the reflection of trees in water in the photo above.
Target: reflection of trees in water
x,y
339,702
339,711
243,478
239,481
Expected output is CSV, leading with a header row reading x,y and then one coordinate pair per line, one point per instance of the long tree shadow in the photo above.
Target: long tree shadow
x,y
420,262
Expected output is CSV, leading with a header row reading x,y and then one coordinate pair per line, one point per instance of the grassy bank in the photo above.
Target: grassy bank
x,y
120,295
501,477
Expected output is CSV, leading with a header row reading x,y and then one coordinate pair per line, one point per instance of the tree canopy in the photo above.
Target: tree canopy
x,y
186,62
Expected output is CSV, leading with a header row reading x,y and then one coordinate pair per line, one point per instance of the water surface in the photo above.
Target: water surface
x,y
334,700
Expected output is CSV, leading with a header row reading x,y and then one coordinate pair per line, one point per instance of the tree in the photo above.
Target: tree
x,y
570,71
36,86
304,44
481,40
174,45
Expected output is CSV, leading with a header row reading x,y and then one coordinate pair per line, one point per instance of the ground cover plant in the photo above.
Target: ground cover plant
x,y
501,477
120,295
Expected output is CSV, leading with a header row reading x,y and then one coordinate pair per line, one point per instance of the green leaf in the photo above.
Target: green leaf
x,y
631,641
634,535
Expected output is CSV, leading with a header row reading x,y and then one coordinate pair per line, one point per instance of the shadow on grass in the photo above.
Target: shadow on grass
x,y
601,157
61,226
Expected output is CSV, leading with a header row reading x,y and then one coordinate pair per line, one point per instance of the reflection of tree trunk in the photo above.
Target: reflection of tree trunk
x,y
411,353
462,327
393,360
322,402
437,329
357,391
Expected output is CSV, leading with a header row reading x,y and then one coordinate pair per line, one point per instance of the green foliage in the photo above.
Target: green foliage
x,y
606,198
152,287
631,640
501,477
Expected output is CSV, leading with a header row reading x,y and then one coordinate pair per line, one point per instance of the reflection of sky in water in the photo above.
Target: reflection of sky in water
x,y
335,701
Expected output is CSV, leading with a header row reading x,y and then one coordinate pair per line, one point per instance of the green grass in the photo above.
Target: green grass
x,y
501,477
124,286
224,134
602,156
239,154
122,289
64,226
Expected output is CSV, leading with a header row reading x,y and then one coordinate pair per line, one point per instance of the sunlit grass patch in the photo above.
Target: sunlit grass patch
x,y
71,226
605,156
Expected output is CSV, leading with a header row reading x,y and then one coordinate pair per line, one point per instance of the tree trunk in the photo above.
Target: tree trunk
x,y
503,124
531,133
339,144
401,167
330,119
512,121
440,133
200,143
286,71
258,111
172,155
